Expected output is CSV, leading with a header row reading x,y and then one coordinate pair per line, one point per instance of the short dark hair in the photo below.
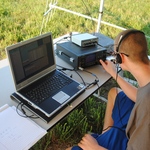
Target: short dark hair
x,y
135,45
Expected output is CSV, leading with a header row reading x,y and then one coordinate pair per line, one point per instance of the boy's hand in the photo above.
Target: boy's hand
x,y
109,67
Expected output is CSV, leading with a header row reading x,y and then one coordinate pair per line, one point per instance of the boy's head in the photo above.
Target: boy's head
x,y
131,43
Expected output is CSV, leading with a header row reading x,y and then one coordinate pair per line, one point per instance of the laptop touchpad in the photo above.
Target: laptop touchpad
x,y
61,97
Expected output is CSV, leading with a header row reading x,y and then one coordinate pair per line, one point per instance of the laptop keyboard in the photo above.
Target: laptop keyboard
x,y
48,87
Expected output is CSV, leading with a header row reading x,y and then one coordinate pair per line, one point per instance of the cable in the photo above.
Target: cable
x,y
93,83
64,69
89,13
80,77
80,68
117,66
23,111
113,127
62,39
99,44
109,48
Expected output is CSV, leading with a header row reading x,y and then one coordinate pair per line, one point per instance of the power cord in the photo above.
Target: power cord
x,y
64,38
88,85
94,82
117,66
109,48
113,127
65,69
24,112
99,44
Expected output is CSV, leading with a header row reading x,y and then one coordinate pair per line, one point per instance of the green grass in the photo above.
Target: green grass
x,y
87,118
22,19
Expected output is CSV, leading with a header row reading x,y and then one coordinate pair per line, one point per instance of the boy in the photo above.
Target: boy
x,y
127,118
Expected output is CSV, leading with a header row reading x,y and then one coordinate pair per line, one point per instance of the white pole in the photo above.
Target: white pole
x,y
100,14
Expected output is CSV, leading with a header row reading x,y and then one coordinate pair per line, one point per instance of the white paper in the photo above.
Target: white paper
x,y
16,132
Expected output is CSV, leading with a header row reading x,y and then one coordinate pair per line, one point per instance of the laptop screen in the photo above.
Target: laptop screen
x,y
31,59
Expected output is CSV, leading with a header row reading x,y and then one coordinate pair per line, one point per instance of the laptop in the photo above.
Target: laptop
x,y
36,78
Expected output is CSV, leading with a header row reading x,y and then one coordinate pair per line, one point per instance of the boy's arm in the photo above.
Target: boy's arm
x,y
129,90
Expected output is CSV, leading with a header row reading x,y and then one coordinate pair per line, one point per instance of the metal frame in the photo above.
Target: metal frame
x,y
53,4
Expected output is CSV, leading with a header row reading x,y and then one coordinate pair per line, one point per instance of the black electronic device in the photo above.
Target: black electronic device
x,y
77,56
83,57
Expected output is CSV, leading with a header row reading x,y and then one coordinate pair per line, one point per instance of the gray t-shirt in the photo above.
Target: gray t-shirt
x,y
138,128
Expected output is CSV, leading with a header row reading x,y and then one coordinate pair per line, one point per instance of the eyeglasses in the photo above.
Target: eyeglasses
x,y
111,48
116,53
124,54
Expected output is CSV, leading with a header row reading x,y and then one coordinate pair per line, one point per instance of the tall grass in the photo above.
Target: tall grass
x,y
22,19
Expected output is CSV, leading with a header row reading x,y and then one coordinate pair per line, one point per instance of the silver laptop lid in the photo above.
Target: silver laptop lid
x,y
31,59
